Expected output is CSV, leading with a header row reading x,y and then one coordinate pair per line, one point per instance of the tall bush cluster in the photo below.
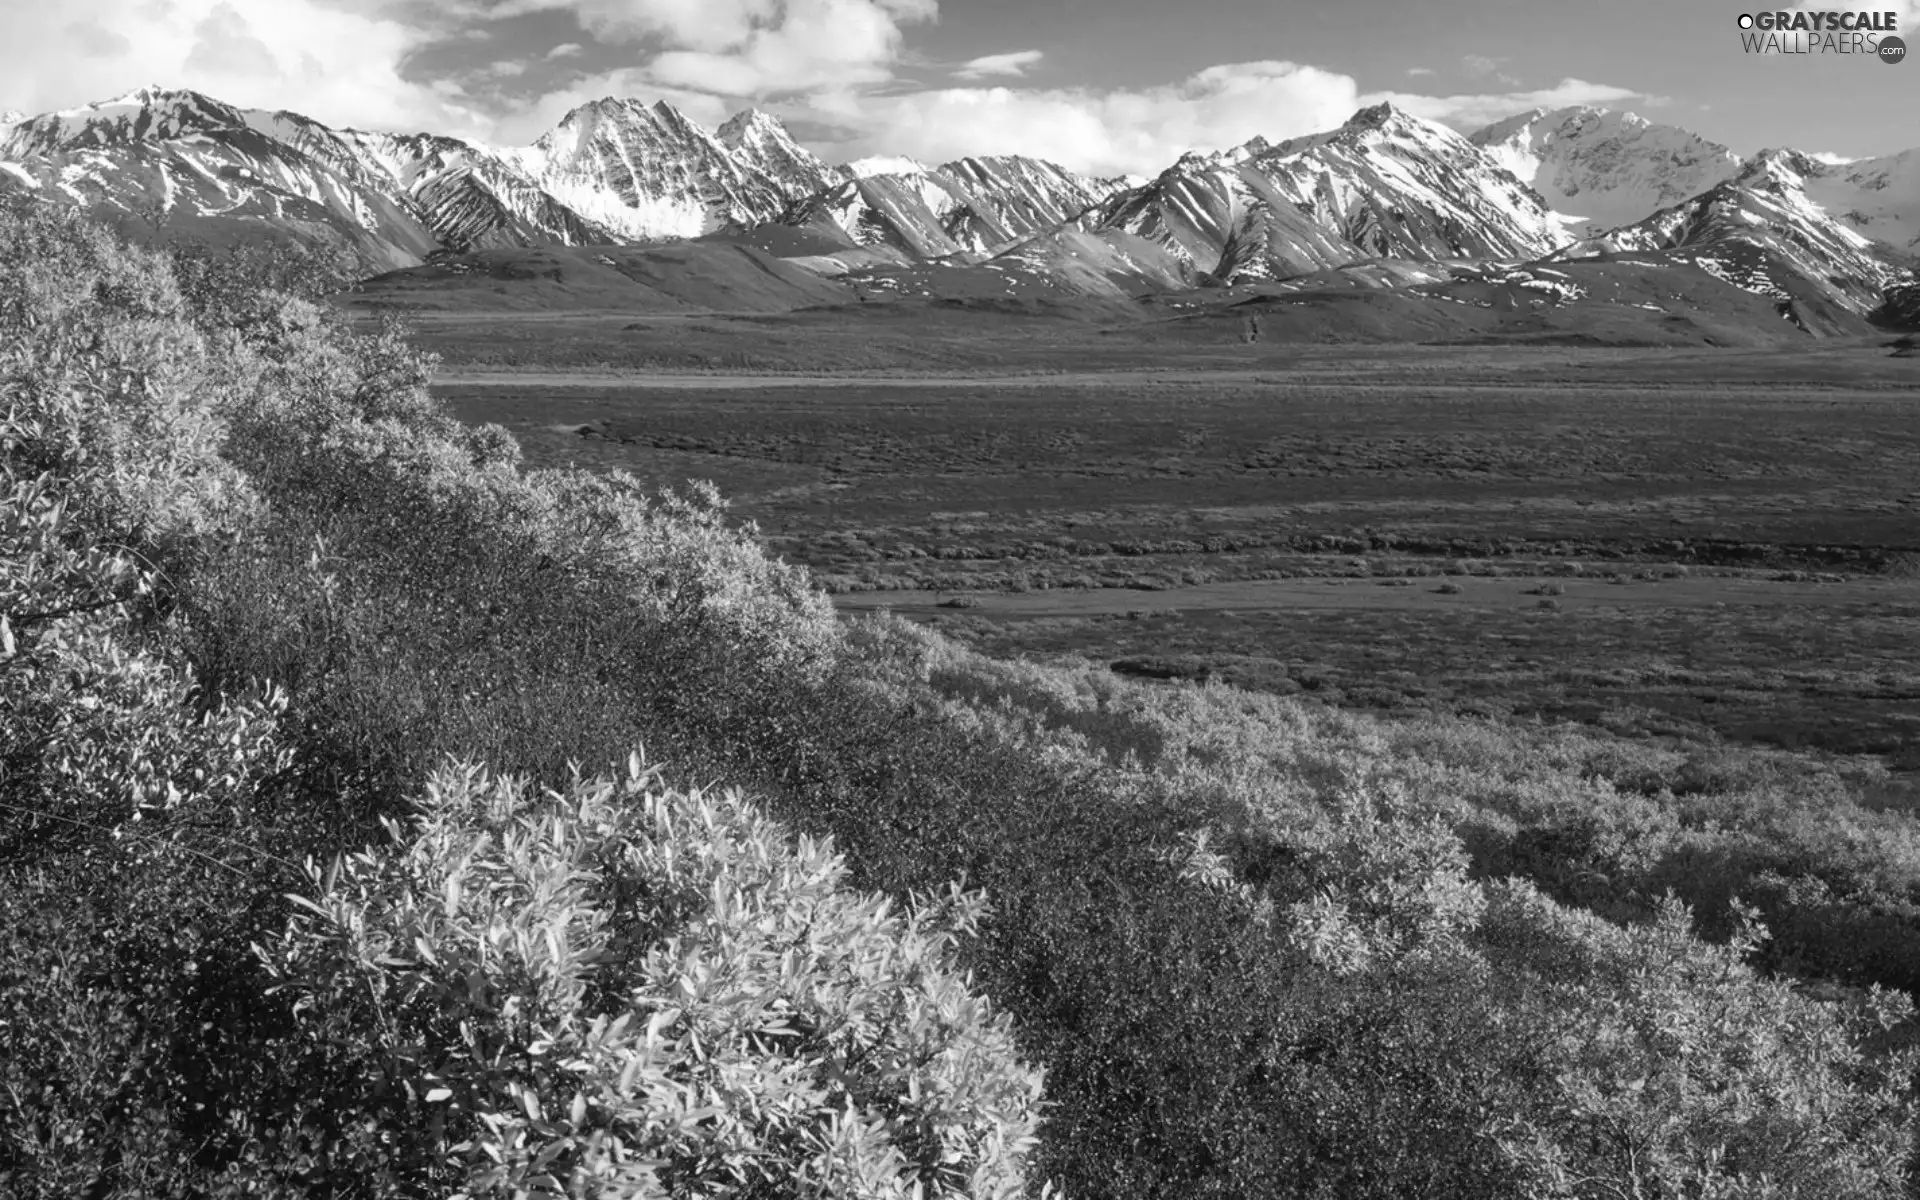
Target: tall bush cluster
x,y
210,505
622,989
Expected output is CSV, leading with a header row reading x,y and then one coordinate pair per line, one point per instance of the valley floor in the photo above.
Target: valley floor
x,y
1691,544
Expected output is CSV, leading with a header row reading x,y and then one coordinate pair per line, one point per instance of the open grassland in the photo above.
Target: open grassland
x,y
1675,543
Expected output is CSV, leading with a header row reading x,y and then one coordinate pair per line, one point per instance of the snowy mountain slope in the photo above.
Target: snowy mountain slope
x,y
761,141
1383,184
975,206
1396,185
468,196
180,159
1879,197
649,173
1761,230
1223,223
1110,263
1605,169
883,164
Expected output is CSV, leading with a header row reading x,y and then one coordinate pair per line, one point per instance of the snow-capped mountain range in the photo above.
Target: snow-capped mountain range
x,y
1385,185
975,206
1769,203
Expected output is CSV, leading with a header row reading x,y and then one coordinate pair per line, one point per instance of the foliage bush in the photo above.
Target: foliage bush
x,y
625,990
131,850
157,797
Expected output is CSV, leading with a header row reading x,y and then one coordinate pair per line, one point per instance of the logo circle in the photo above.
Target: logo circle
x,y
1892,49
1746,20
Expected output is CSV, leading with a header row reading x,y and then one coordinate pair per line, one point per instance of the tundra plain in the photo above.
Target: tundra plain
x,y
1693,544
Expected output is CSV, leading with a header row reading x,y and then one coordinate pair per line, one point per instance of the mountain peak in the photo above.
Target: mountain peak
x,y
155,96
755,132
749,122
762,141
1783,158
150,93
673,118
1376,116
146,114
592,112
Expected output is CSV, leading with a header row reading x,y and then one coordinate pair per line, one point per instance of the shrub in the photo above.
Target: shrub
x,y
235,287
624,988
1676,1072
131,841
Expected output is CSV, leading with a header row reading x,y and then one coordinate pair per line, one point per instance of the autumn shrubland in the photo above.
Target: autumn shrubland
x,y
380,816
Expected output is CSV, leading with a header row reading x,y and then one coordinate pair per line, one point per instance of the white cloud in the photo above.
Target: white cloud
x,y
1481,67
1144,130
1471,111
1100,132
1831,159
342,61
338,65
749,48
1014,63
1421,71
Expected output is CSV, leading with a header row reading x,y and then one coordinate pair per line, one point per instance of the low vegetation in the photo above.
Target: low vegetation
x,y
382,817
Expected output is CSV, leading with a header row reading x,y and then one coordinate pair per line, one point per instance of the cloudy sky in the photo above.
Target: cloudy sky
x,y
1101,85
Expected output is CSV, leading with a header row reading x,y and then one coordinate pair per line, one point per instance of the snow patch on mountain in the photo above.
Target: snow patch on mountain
x,y
882,164
1603,169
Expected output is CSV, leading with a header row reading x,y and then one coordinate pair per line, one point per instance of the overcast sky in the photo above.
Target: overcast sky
x,y
1100,85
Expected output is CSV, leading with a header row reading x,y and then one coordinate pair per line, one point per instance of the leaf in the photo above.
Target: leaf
x,y
303,902
439,1095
